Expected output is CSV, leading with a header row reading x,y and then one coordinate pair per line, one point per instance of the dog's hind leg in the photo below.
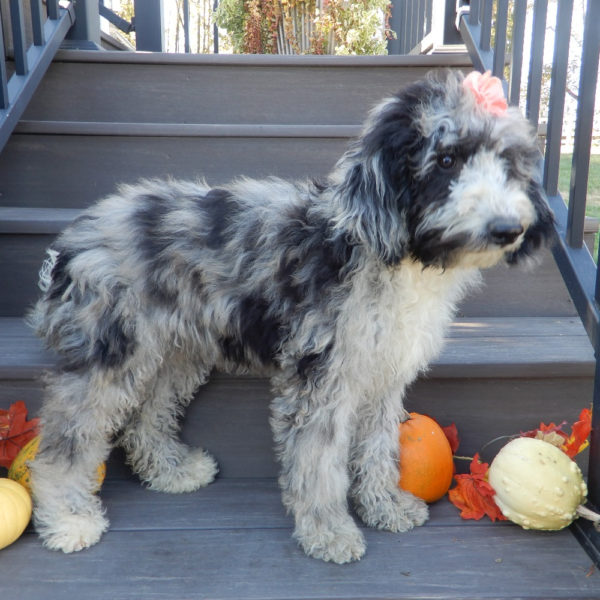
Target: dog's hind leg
x,y
83,410
151,437
313,449
378,499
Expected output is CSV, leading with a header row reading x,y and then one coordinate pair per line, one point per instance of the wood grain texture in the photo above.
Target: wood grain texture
x,y
102,162
475,348
313,90
169,548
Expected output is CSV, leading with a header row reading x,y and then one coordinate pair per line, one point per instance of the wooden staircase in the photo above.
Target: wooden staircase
x,y
516,353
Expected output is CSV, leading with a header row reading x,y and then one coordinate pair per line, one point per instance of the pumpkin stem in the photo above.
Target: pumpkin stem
x,y
405,416
590,515
496,439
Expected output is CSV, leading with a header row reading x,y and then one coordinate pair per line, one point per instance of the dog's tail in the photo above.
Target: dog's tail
x,y
45,275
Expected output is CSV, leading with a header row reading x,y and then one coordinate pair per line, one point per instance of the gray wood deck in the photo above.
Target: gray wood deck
x,y
232,540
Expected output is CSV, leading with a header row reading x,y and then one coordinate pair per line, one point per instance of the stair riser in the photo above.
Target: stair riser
x,y
97,164
229,416
226,92
506,293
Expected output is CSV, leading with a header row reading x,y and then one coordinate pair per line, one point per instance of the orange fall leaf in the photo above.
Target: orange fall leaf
x,y
15,432
580,431
473,495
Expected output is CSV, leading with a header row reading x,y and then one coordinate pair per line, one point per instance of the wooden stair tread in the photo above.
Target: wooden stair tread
x,y
475,348
31,220
232,540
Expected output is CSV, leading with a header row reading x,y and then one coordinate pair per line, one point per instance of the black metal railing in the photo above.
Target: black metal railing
x,y
34,37
412,22
477,21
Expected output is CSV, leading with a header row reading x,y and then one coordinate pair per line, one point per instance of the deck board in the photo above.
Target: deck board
x,y
200,546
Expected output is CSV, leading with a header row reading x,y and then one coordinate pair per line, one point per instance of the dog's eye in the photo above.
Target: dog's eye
x,y
446,160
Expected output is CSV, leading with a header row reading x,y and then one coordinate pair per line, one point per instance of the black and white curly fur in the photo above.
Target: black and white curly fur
x,y
340,291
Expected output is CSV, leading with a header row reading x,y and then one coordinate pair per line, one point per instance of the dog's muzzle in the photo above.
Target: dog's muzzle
x,y
504,232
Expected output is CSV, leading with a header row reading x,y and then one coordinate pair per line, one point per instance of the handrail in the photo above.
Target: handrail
x,y
30,62
574,261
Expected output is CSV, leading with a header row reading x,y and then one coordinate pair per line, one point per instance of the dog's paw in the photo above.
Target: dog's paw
x,y
197,470
396,512
72,532
338,544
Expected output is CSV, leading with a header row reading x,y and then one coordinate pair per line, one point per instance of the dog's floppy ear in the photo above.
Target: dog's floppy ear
x,y
542,232
374,176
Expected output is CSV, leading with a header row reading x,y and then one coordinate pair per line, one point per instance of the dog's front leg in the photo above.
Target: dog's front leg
x,y
374,464
313,440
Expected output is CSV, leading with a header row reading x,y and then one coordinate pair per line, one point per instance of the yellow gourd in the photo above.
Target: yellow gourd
x,y
15,511
19,469
537,485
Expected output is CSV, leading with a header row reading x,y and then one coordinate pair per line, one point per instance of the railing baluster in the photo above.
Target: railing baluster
x,y
428,16
472,33
405,27
149,25
216,30
420,22
474,12
186,26
410,29
518,39
37,23
500,38
52,6
536,61
18,32
558,88
486,25
3,75
584,124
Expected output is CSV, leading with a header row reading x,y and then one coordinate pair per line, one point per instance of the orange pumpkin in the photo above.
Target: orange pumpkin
x,y
426,464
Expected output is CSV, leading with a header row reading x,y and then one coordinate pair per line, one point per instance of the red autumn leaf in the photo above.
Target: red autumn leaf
x,y
451,433
578,440
15,432
473,495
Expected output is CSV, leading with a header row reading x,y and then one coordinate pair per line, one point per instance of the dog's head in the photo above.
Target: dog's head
x,y
446,174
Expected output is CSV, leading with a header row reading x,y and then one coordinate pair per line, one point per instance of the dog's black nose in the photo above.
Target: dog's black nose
x,y
504,232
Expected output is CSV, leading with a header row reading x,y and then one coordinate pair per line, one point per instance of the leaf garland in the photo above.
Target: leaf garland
x,y
474,496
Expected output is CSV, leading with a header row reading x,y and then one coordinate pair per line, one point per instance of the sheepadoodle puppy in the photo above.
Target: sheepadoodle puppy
x,y
340,291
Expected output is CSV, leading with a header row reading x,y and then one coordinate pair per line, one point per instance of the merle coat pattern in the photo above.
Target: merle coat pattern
x,y
340,291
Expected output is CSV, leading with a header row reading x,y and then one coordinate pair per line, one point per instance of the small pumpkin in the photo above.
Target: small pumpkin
x,y
537,485
19,469
15,511
426,464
